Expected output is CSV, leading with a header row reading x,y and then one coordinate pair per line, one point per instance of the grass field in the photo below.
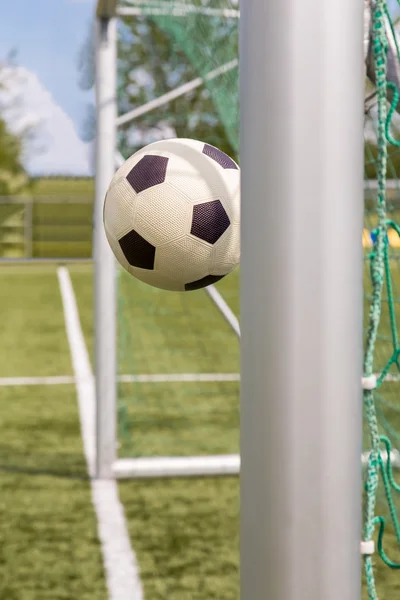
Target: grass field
x,y
184,532
166,333
48,536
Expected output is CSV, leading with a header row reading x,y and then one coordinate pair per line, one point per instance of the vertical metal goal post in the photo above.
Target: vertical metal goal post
x,y
301,97
301,150
107,159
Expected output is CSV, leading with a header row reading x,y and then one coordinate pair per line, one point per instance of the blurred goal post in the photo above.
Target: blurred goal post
x,y
107,160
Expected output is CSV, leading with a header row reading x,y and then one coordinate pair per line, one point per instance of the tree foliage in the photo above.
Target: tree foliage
x,y
152,60
13,176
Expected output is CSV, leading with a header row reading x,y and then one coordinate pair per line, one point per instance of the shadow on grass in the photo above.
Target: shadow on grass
x,y
59,465
59,473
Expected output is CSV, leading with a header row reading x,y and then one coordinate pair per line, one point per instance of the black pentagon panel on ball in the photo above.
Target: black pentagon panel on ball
x,y
209,221
137,251
201,283
149,171
220,157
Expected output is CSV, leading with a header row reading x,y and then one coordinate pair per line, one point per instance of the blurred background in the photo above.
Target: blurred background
x,y
46,102
178,355
47,117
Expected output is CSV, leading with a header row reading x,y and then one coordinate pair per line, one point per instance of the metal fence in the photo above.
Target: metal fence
x,y
54,227
46,227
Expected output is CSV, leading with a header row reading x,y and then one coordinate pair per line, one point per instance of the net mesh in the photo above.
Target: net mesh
x,y
162,332
381,281
182,42
178,358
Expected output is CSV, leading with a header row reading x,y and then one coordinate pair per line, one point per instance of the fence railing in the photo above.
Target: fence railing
x,y
46,227
52,227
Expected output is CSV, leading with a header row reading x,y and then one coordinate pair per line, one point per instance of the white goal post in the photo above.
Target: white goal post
x,y
301,103
107,158
301,158
106,380
104,262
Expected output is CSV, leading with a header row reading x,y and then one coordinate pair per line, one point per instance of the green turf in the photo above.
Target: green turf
x,y
166,332
184,532
48,537
82,280
163,332
179,419
228,287
48,534
33,342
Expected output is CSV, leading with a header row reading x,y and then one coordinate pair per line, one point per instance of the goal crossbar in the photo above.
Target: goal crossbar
x,y
176,93
181,10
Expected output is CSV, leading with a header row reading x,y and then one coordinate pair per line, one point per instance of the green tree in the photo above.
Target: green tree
x,y
155,56
86,80
13,176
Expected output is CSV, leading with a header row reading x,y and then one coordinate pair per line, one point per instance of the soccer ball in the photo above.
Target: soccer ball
x,y
172,214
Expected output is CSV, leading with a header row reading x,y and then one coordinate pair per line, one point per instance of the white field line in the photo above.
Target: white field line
x,y
180,377
121,569
16,381
224,308
144,378
181,10
152,378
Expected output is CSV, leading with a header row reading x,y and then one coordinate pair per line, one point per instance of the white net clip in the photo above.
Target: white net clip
x,y
367,548
369,383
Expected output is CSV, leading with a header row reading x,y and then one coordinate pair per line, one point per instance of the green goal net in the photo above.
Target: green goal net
x,y
381,309
178,354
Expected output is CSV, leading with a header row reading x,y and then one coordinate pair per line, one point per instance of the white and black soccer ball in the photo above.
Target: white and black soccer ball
x,y
172,214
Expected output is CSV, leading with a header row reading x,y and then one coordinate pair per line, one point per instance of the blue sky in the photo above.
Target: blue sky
x,y
394,6
47,35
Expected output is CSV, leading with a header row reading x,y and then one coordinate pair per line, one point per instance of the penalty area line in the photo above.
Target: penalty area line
x,y
17,381
121,568
141,378
179,377
146,378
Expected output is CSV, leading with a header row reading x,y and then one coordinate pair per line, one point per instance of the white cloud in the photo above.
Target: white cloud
x,y
57,148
